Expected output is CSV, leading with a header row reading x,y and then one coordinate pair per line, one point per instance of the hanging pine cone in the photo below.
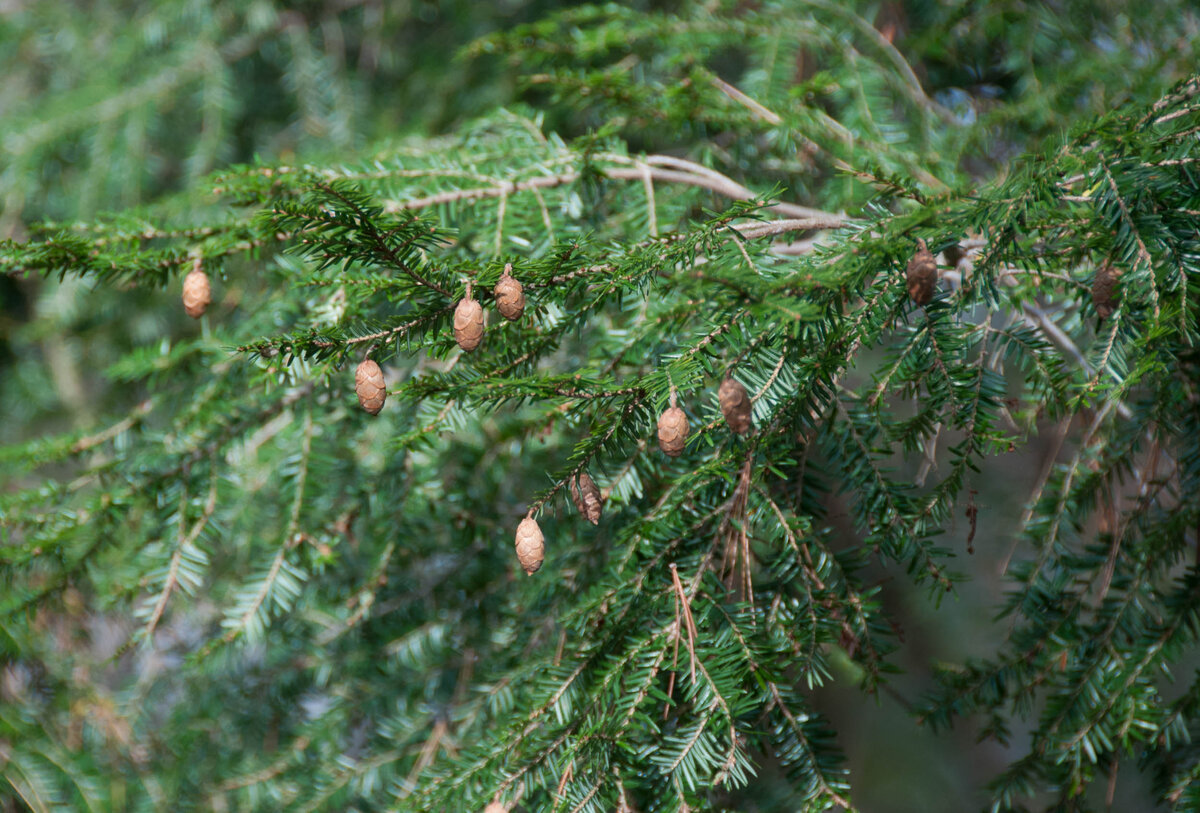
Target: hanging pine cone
x,y
672,431
531,545
576,497
922,275
197,293
369,387
510,296
468,322
1104,289
735,405
586,497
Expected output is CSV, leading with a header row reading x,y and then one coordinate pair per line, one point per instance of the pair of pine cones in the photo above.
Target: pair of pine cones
x,y
468,314
736,407
921,279
529,542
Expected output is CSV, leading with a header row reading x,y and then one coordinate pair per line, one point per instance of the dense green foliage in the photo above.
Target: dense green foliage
x,y
226,586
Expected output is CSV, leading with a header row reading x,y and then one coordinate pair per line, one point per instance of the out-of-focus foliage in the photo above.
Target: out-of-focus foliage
x,y
112,104
225,586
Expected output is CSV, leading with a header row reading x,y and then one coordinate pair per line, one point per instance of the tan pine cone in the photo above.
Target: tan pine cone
x,y
510,296
369,386
735,405
197,293
672,431
1104,289
922,276
531,545
576,497
586,497
468,323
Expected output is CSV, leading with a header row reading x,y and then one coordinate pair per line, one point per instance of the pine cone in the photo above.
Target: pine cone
x,y
368,385
672,431
1104,289
531,545
468,323
510,296
922,275
576,497
197,294
735,405
587,499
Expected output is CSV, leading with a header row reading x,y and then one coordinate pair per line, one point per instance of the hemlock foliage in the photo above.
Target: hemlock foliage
x,y
226,586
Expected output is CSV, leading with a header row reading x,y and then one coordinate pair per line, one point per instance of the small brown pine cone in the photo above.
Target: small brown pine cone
x,y
922,275
587,498
510,296
368,385
197,293
672,431
468,323
735,405
576,496
531,545
1104,289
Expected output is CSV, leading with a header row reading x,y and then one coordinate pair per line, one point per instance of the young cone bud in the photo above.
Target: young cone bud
x,y
197,293
468,323
531,545
672,431
510,296
1104,289
369,387
586,497
922,275
735,405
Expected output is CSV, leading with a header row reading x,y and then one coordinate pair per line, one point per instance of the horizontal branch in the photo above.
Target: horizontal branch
x,y
751,231
709,179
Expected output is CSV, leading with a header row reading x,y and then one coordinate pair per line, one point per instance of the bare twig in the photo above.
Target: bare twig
x,y
139,412
751,231
713,181
689,624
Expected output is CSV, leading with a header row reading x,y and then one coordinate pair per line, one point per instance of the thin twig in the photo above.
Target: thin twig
x,y
139,412
689,623
719,184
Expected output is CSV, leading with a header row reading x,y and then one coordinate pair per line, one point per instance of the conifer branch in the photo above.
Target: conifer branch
x,y
379,240
398,661
185,539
